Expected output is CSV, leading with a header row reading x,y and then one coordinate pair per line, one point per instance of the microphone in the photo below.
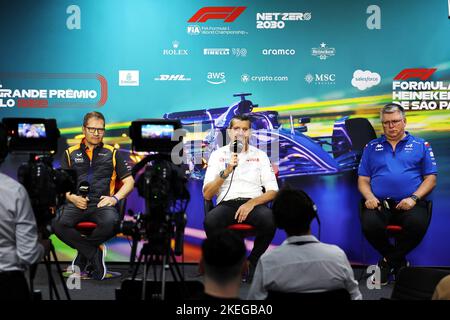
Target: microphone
x,y
83,189
237,146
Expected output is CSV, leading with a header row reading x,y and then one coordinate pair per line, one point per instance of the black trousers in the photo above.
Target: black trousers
x,y
414,224
260,217
106,218
13,286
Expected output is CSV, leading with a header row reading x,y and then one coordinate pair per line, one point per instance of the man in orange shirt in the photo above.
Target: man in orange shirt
x,y
99,166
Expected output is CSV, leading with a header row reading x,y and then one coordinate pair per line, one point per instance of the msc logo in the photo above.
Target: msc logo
x,y
172,77
216,77
321,78
421,73
227,14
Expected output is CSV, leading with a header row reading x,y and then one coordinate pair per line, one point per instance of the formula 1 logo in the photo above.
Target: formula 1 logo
x,y
414,90
227,14
421,73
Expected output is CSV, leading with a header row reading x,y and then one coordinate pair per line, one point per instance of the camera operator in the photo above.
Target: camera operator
x,y
19,244
98,166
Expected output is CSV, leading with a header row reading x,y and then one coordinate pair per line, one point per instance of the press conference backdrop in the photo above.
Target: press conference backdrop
x,y
321,59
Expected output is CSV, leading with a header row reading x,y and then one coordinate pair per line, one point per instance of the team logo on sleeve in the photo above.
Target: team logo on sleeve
x,y
409,147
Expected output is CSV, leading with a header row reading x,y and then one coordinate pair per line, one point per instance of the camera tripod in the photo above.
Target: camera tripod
x,y
51,280
157,254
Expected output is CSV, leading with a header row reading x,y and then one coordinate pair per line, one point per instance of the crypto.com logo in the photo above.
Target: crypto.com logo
x,y
421,73
227,14
60,90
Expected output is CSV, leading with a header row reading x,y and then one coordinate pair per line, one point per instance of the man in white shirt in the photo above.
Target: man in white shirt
x,y
237,179
301,263
19,244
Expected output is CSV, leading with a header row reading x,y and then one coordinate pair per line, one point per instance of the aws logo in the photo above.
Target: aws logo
x,y
216,78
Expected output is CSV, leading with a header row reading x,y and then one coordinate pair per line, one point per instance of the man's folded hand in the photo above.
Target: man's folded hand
x,y
106,201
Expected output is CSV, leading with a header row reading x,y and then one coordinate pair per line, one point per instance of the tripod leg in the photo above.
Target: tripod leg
x,y
174,268
137,267
155,263
133,256
51,282
177,268
59,270
32,270
144,279
163,277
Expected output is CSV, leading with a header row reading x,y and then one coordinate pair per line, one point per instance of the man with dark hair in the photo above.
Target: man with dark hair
x,y
403,168
98,166
237,178
19,244
301,263
223,259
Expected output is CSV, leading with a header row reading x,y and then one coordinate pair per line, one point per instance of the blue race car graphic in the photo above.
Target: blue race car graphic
x,y
292,153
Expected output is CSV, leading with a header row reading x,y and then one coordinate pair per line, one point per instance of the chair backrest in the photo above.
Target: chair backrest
x,y
360,131
416,283
338,294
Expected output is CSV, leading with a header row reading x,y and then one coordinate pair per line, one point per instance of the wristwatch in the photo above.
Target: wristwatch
x,y
223,175
414,197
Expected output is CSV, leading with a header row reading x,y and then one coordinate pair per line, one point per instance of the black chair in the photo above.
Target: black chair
x,y
360,131
338,294
417,283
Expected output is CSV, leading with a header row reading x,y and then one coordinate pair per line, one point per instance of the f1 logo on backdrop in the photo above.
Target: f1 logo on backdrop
x,y
421,73
227,14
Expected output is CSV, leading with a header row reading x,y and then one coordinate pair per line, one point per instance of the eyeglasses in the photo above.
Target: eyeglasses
x,y
92,130
393,122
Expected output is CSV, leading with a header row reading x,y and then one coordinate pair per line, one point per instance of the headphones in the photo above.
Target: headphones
x,y
311,208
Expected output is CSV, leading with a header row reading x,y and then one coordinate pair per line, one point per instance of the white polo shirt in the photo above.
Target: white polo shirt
x,y
253,171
